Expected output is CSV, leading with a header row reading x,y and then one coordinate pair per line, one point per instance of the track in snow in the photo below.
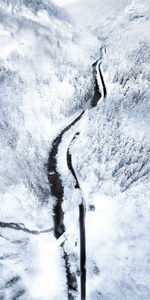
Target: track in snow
x,y
21,227
81,224
57,190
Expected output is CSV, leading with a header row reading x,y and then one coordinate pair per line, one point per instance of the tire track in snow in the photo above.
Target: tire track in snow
x,y
21,226
82,225
99,82
57,189
97,93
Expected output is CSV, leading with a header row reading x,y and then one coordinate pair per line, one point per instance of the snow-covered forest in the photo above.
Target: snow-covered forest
x,y
46,80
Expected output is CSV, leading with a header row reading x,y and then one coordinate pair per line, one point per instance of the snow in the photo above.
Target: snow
x,y
46,81
37,73
113,165
63,3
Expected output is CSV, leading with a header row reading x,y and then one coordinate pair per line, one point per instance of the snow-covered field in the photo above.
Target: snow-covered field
x,y
46,80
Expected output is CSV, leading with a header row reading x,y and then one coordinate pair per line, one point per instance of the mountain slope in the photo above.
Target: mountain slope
x,y
46,80
114,163
42,75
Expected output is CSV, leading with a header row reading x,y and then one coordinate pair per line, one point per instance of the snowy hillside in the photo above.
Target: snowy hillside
x,y
46,81
40,68
42,75
114,164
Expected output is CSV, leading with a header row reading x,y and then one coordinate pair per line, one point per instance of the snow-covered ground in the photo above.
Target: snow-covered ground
x,y
114,164
46,80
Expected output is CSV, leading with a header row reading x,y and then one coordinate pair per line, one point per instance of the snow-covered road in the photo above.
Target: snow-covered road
x,y
57,188
57,191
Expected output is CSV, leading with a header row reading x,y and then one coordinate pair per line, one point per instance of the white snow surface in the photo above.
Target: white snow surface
x,y
46,80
